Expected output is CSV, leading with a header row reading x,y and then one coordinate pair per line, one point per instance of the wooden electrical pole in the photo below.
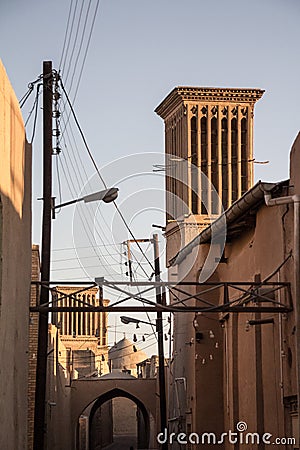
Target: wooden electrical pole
x,y
160,341
41,370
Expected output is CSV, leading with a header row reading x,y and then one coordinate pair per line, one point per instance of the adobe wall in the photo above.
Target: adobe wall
x,y
33,342
58,395
15,268
253,367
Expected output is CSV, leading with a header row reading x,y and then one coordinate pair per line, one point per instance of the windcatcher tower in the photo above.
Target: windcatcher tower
x,y
83,334
210,129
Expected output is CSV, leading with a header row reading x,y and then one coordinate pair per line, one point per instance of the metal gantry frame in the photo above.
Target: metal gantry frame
x,y
236,297
231,297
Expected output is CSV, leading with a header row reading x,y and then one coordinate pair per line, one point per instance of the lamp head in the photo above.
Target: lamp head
x,y
125,320
128,320
111,195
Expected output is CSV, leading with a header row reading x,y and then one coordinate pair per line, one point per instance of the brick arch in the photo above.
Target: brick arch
x,y
86,392
116,392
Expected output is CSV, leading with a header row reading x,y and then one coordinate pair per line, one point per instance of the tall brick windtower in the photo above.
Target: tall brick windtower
x,y
210,129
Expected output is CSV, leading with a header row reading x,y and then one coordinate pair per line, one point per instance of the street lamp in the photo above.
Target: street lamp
x,y
127,320
107,196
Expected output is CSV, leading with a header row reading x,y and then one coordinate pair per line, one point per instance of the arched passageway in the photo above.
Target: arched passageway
x,y
116,417
91,394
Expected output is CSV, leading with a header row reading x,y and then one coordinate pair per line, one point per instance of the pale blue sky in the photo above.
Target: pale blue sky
x,y
139,51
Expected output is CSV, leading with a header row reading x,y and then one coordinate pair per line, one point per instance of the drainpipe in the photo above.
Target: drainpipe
x,y
295,199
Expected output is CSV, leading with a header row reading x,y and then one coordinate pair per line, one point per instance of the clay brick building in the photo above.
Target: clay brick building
x,y
33,341
230,367
84,335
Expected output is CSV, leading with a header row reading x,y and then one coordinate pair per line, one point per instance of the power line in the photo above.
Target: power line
x,y
81,165
79,177
82,135
75,248
81,257
75,40
58,180
70,35
84,58
85,267
36,104
87,48
66,33
80,45
147,314
85,224
27,94
100,176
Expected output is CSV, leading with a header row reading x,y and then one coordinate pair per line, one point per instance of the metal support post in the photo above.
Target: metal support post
x,y
160,339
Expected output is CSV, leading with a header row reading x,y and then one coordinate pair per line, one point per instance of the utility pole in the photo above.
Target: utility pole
x,y
129,261
41,370
128,242
160,341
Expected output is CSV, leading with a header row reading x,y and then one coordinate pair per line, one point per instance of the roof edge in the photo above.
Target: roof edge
x,y
190,93
239,207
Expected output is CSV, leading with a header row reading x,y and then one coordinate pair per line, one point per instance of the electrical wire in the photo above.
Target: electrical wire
x,y
85,267
33,106
139,262
36,103
27,94
112,350
84,58
80,164
82,135
66,33
80,45
86,50
84,247
85,224
102,179
75,41
58,181
69,39
147,314
76,259
73,161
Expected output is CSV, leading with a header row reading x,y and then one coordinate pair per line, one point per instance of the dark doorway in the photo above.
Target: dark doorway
x,y
110,428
